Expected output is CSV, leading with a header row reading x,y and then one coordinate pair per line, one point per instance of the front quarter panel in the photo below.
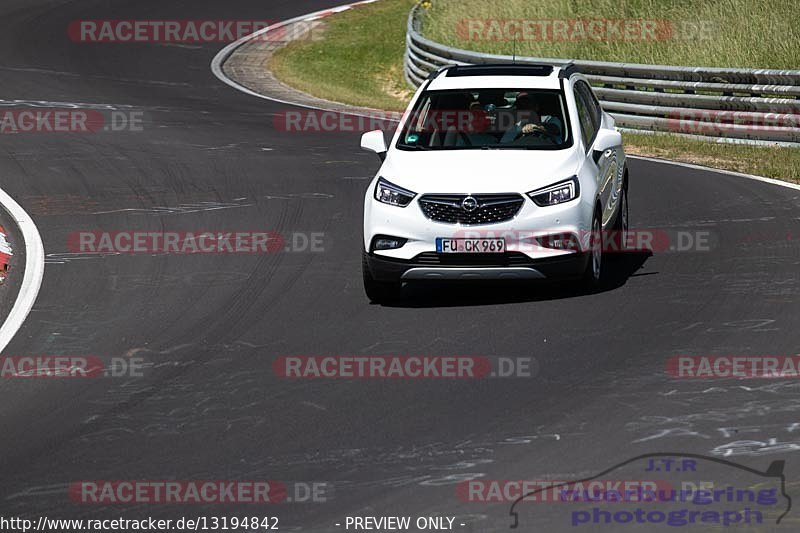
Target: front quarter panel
x,y
612,174
588,173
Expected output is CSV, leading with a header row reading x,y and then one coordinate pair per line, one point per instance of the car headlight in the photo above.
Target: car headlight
x,y
391,194
557,194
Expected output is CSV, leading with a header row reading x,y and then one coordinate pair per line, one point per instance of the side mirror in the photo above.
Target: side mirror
x,y
606,139
374,141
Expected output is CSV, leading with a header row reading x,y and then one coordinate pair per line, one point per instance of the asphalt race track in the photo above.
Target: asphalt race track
x,y
208,328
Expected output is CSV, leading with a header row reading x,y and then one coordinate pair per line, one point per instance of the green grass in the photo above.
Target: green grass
x,y
734,33
359,60
772,162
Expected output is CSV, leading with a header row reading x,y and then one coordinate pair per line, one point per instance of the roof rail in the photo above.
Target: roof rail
x,y
568,70
503,69
435,74
500,69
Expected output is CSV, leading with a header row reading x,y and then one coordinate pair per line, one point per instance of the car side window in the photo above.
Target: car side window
x,y
598,111
588,122
591,102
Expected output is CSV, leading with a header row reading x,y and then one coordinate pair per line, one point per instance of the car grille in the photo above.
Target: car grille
x,y
491,208
508,259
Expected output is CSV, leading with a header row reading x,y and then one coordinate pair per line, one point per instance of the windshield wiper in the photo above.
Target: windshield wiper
x,y
413,147
503,147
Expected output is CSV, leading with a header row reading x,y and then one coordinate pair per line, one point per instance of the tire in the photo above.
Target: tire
x,y
622,223
593,275
377,291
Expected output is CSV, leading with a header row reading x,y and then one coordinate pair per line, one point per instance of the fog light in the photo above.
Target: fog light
x,y
566,241
387,243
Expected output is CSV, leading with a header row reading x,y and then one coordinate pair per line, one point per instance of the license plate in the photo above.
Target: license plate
x,y
470,246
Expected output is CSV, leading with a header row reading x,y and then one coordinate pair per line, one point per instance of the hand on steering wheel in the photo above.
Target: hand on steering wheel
x,y
538,129
529,129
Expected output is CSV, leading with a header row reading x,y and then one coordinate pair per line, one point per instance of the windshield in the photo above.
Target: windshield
x,y
487,119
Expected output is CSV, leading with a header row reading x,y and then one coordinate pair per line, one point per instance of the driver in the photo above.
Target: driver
x,y
528,117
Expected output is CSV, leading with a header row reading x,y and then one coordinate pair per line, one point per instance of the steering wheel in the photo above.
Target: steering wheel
x,y
540,131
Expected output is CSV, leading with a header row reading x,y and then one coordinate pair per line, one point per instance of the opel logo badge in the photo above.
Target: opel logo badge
x,y
469,204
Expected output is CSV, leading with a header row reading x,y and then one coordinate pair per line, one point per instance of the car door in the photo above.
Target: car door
x,y
607,163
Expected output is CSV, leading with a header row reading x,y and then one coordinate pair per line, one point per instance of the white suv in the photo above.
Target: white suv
x,y
495,172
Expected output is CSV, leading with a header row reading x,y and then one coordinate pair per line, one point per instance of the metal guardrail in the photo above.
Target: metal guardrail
x,y
734,104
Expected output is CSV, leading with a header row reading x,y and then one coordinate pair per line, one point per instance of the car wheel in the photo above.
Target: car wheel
x,y
594,269
377,291
621,226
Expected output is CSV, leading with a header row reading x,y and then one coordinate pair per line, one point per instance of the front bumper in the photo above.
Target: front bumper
x,y
521,233
509,266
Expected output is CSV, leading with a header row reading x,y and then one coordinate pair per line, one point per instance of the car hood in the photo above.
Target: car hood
x,y
479,171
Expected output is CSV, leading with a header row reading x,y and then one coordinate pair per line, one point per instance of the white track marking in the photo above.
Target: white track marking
x,y
34,269
771,181
225,53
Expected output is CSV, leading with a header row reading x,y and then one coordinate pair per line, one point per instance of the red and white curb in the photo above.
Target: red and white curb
x,y
34,268
5,254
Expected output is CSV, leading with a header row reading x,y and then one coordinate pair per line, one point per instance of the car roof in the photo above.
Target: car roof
x,y
500,76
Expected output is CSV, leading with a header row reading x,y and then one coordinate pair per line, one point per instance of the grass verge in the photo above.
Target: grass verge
x,y
359,62
772,162
722,33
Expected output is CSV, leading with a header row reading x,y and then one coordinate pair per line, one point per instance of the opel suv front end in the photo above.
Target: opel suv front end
x,y
495,173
